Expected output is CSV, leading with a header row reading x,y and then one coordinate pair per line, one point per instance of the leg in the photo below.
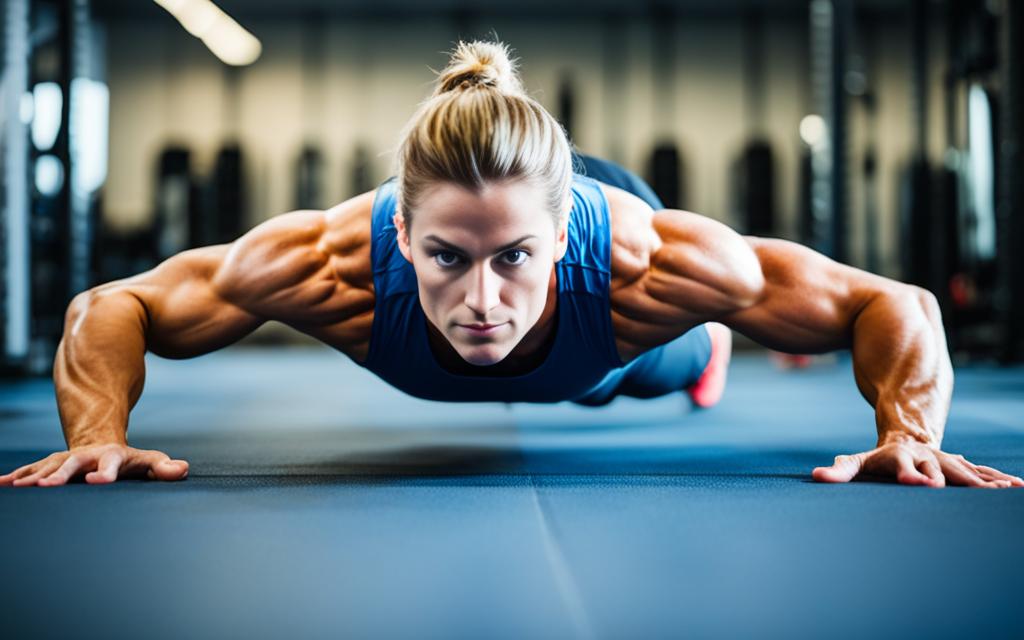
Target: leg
x,y
669,368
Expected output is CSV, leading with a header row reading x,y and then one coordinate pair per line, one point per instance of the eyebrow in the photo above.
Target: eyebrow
x,y
502,248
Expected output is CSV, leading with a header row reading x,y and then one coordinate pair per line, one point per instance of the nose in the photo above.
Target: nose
x,y
482,295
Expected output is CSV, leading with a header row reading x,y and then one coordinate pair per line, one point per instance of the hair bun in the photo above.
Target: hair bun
x,y
479,63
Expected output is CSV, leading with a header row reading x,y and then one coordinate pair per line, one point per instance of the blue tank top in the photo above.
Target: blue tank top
x,y
581,355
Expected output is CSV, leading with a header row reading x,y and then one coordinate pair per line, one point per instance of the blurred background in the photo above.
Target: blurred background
x,y
884,133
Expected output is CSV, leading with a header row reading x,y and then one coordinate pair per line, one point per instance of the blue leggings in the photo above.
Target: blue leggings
x,y
670,367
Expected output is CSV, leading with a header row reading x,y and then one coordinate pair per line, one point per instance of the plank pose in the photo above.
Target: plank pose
x,y
491,269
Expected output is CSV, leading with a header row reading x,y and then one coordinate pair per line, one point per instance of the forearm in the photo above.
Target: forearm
x,y
902,365
99,368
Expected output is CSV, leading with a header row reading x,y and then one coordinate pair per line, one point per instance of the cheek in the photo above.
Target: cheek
x,y
434,289
530,293
429,279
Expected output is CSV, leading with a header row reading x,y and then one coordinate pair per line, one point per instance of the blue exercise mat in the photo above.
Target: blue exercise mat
x,y
323,504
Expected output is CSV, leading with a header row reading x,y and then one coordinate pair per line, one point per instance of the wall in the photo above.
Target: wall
x,y
167,88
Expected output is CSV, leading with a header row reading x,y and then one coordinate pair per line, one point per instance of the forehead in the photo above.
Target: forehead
x,y
447,209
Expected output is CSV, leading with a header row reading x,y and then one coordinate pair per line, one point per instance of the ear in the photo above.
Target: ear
x,y
562,232
403,235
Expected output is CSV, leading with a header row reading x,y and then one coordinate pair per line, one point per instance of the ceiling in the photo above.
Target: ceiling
x,y
242,9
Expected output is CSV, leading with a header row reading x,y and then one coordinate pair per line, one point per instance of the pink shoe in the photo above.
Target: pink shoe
x,y
710,386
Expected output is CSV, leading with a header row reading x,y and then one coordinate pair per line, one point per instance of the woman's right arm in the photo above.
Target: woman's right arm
x,y
192,303
175,310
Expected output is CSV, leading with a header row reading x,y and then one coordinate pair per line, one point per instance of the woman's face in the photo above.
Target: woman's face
x,y
483,262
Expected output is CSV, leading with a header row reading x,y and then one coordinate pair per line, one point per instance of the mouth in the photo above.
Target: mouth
x,y
482,329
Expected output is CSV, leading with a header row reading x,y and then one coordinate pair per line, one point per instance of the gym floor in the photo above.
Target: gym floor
x,y
321,503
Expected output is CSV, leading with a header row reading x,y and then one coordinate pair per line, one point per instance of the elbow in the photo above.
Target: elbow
x,y
929,303
933,312
77,310
927,298
107,303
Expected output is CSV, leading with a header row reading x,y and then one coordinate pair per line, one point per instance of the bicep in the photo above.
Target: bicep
x,y
809,302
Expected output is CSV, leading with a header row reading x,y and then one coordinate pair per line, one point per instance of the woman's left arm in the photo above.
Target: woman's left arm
x,y
690,269
812,304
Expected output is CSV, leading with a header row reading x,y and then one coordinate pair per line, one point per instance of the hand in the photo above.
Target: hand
x,y
915,463
101,464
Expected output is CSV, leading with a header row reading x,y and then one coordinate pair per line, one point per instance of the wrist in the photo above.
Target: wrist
x,y
897,421
899,436
95,439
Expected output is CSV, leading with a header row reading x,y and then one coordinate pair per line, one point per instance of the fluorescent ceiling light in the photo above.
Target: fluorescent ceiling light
x,y
218,31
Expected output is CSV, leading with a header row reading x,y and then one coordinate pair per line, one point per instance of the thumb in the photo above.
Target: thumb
x,y
844,469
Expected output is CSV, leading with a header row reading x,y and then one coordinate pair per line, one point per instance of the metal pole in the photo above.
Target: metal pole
x,y
16,249
1010,211
842,19
821,17
79,199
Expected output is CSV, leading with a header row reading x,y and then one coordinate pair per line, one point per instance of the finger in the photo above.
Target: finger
x,y
35,471
9,478
66,471
140,462
28,469
930,468
171,470
107,469
42,470
990,477
844,469
990,481
906,472
1001,484
959,473
161,467
17,474
1014,481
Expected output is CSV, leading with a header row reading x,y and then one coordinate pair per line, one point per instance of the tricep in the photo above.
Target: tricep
x,y
183,313
809,302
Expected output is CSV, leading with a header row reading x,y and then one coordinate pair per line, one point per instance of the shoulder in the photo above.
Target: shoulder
x,y
633,235
659,251
301,253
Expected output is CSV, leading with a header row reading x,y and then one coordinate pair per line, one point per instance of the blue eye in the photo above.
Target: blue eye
x,y
517,252
440,256
449,259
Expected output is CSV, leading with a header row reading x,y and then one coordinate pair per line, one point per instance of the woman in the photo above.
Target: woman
x,y
505,320
489,270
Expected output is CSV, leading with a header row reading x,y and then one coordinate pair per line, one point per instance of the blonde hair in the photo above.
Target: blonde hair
x,y
480,126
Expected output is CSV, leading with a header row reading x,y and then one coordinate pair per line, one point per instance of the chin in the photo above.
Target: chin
x,y
483,355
